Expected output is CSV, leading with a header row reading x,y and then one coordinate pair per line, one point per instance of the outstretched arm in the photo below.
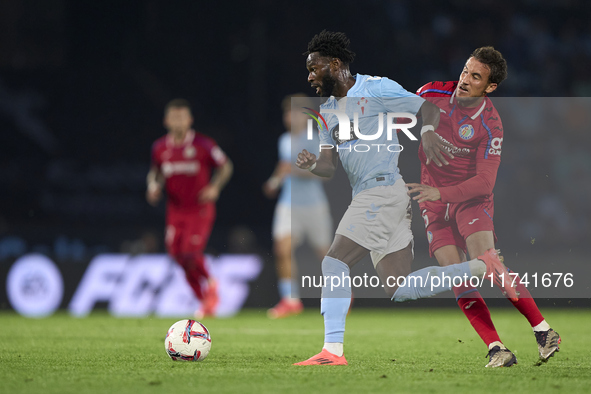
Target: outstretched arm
x,y
433,145
481,184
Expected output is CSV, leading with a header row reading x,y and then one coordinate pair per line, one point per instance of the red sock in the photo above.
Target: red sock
x,y
526,304
475,309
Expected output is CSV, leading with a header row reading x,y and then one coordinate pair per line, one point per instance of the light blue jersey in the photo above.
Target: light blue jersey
x,y
369,163
284,146
298,190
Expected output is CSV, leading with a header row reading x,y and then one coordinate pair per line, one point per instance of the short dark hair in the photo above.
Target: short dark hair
x,y
177,103
494,60
333,44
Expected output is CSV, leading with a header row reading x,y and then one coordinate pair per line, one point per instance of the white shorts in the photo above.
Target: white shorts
x,y
379,219
310,222
282,221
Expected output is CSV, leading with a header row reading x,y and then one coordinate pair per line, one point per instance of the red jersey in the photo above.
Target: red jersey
x,y
186,167
476,134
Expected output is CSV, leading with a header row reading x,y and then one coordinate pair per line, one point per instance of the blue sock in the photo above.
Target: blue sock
x,y
284,288
431,281
336,298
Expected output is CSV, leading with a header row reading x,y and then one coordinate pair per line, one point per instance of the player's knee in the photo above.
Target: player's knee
x,y
282,249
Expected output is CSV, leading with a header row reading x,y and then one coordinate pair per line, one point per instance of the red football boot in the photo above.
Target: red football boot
x,y
286,307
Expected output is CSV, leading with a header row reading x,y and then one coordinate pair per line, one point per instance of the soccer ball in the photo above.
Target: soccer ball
x,y
187,340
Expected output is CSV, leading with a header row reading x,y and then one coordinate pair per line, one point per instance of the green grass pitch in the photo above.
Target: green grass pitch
x,y
389,350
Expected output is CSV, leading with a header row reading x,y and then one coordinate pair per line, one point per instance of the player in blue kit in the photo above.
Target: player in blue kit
x,y
302,212
377,222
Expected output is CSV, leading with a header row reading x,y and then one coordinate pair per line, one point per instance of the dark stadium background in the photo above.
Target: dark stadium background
x,y
83,84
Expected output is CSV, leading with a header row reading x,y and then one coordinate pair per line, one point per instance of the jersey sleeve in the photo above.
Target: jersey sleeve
x,y
398,99
422,89
217,157
437,89
155,156
488,159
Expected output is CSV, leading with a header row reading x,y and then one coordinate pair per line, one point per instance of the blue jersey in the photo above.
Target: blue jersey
x,y
299,190
364,160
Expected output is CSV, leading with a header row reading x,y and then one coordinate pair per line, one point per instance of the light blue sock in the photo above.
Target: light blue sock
x,y
431,281
336,298
284,288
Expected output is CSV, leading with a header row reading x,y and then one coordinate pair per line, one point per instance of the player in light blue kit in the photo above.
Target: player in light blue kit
x,y
378,219
302,212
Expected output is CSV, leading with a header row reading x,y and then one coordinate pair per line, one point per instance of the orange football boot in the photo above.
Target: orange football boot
x,y
325,358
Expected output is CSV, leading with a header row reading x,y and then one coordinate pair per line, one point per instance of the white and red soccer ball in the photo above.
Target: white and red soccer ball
x,y
187,340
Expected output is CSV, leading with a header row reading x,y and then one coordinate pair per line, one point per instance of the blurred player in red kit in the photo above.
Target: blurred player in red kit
x,y
193,169
456,196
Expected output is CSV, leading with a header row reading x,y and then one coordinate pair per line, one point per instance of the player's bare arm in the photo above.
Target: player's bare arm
x,y
273,184
323,166
300,173
434,147
426,193
155,183
221,176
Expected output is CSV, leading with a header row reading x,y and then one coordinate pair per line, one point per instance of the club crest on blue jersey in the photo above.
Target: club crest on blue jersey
x,y
466,131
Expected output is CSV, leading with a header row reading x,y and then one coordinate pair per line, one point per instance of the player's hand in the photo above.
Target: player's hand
x,y
434,148
154,193
271,187
209,193
426,193
305,160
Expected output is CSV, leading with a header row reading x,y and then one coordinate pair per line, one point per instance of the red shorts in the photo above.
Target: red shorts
x,y
188,230
451,224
